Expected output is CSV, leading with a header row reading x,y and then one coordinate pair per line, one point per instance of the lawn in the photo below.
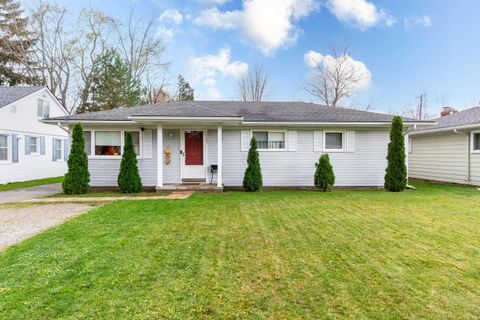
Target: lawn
x,y
276,254
29,183
108,194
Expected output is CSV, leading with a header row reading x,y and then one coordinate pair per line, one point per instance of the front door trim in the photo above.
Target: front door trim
x,y
182,148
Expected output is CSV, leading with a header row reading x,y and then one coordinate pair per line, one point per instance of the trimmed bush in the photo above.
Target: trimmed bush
x,y
324,177
77,178
252,181
129,179
396,172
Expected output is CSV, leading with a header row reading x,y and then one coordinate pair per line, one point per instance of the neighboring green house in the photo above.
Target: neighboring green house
x,y
448,151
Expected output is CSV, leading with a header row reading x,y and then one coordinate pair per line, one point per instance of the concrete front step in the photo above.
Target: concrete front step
x,y
202,187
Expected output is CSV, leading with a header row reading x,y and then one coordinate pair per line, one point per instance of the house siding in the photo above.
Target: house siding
x,y
20,119
475,169
440,157
364,167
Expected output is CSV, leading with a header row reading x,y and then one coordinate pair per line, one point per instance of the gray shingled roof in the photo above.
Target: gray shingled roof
x,y
250,111
461,118
12,94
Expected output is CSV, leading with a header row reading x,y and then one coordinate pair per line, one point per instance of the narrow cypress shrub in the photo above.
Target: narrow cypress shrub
x,y
396,172
77,178
252,181
324,177
129,179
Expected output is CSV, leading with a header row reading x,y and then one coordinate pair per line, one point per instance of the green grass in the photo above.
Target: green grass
x,y
276,254
30,183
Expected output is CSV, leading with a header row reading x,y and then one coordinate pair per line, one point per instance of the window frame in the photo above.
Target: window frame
x,y
285,147
37,146
44,102
472,141
9,147
122,142
325,132
61,150
140,149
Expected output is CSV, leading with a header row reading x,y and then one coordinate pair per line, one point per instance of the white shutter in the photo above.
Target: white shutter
x,y
350,141
245,140
292,140
147,144
317,140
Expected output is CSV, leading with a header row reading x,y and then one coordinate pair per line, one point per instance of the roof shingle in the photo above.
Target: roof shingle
x,y
11,94
250,112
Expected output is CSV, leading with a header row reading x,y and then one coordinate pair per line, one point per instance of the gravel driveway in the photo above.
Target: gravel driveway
x,y
17,224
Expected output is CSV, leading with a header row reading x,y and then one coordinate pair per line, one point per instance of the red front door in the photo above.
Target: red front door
x,y
193,148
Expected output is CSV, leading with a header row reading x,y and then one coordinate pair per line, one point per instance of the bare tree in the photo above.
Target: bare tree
x,y
254,86
93,41
141,48
53,50
335,78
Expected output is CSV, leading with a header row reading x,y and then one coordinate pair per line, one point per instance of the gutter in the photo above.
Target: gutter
x,y
448,129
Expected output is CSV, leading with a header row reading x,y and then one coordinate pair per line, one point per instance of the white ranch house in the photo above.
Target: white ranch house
x,y
30,149
207,142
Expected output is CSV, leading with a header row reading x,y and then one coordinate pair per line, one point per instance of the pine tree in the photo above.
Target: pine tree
x,y
185,91
113,85
252,181
396,172
77,178
15,43
324,177
129,179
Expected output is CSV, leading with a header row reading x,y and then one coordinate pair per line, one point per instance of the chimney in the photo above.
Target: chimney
x,y
447,111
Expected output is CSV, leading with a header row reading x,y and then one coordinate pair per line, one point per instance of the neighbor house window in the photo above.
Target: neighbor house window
x,y
87,137
476,141
334,141
43,108
136,141
33,145
108,143
58,150
3,147
267,140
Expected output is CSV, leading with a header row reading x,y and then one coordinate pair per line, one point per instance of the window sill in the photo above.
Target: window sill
x,y
334,150
271,150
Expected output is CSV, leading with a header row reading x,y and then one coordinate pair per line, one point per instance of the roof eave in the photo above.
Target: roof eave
x,y
446,129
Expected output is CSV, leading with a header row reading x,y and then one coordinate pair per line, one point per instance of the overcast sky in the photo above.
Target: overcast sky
x,y
406,47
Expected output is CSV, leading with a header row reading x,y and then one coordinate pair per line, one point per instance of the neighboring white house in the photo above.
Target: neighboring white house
x,y
30,149
179,142
449,151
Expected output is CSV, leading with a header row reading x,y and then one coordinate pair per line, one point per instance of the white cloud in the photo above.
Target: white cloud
x,y
314,59
419,21
166,34
268,24
360,13
171,15
205,70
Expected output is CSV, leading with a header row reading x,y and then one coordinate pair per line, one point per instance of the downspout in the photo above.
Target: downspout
x,y
467,179
407,145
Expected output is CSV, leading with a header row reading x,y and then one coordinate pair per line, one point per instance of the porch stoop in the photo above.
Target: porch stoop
x,y
190,186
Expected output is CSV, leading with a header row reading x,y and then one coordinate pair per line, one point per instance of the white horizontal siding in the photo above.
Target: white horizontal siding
x,y
439,157
364,167
475,168
31,167
171,140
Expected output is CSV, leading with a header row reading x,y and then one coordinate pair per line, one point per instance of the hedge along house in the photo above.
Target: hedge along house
x,y
207,142
449,151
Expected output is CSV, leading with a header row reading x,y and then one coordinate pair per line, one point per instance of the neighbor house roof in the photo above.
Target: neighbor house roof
x,y
468,117
269,112
11,94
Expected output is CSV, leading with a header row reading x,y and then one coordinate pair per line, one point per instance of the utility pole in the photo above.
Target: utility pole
x,y
421,105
